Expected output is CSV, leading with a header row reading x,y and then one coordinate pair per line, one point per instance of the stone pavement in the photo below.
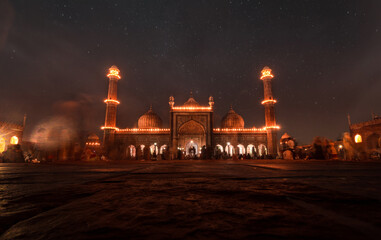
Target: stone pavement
x,y
251,199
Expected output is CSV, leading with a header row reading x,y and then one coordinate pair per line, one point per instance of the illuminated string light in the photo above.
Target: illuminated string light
x,y
269,101
93,144
193,108
113,72
272,127
144,130
111,101
266,72
110,128
239,129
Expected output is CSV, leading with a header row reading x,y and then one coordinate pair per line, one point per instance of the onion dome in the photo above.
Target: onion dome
x,y
149,120
285,136
93,141
93,137
232,120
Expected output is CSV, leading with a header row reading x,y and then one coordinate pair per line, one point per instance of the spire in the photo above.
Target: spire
x,y
349,120
231,110
24,121
171,101
211,101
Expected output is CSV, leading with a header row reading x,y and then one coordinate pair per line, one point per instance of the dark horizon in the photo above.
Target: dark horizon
x,y
325,57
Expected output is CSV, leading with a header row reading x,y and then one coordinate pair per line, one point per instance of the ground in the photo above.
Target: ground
x,y
257,199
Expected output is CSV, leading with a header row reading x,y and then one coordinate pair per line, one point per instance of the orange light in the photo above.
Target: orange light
x,y
358,138
144,130
272,127
239,129
93,144
110,128
111,101
14,140
266,72
269,101
113,72
192,108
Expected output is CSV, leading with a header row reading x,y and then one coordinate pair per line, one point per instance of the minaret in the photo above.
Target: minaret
x,y
111,105
269,102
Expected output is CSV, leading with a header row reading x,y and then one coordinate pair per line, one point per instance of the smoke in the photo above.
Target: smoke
x,y
54,133
70,124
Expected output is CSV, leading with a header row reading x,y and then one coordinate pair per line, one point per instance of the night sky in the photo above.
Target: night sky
x,y
325,55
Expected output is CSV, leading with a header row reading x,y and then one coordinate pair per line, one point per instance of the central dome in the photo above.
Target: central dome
x,y
150,120
232,120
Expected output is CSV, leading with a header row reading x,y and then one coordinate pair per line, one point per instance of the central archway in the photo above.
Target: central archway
x,y
191,134
191,149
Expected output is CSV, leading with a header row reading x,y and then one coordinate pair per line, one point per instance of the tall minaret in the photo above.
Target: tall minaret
x,y
269,102
111,102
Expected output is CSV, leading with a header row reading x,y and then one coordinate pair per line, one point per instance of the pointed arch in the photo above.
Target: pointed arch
x,y
191,127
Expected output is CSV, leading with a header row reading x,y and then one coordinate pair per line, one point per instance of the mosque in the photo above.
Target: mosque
x,y
191,128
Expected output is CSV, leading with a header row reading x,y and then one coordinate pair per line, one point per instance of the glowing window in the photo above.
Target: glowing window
x,y
14,140
154,149
262,150
132,150
358,138
2,145
219,147
162,149
241,149
251,149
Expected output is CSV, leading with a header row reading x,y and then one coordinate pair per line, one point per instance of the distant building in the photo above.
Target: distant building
x,y
191,129
10,134
367,135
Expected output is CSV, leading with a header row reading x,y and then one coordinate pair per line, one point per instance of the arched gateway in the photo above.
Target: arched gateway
x,y
192,126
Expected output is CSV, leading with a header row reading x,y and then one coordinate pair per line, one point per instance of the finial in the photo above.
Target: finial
x,y
171,101
191,94
211,101
231,106
24,120
150,107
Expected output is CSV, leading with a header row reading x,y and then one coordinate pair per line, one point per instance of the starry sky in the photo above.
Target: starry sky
x,y
325,56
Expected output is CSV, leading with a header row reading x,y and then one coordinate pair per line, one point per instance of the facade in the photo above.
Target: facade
x,y
367,136
191,129
10,134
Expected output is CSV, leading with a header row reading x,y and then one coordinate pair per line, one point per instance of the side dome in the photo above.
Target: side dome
x,y
232,120
150,120
93,137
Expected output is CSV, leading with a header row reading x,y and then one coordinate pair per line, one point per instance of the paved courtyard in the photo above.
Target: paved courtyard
x,y
257,199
